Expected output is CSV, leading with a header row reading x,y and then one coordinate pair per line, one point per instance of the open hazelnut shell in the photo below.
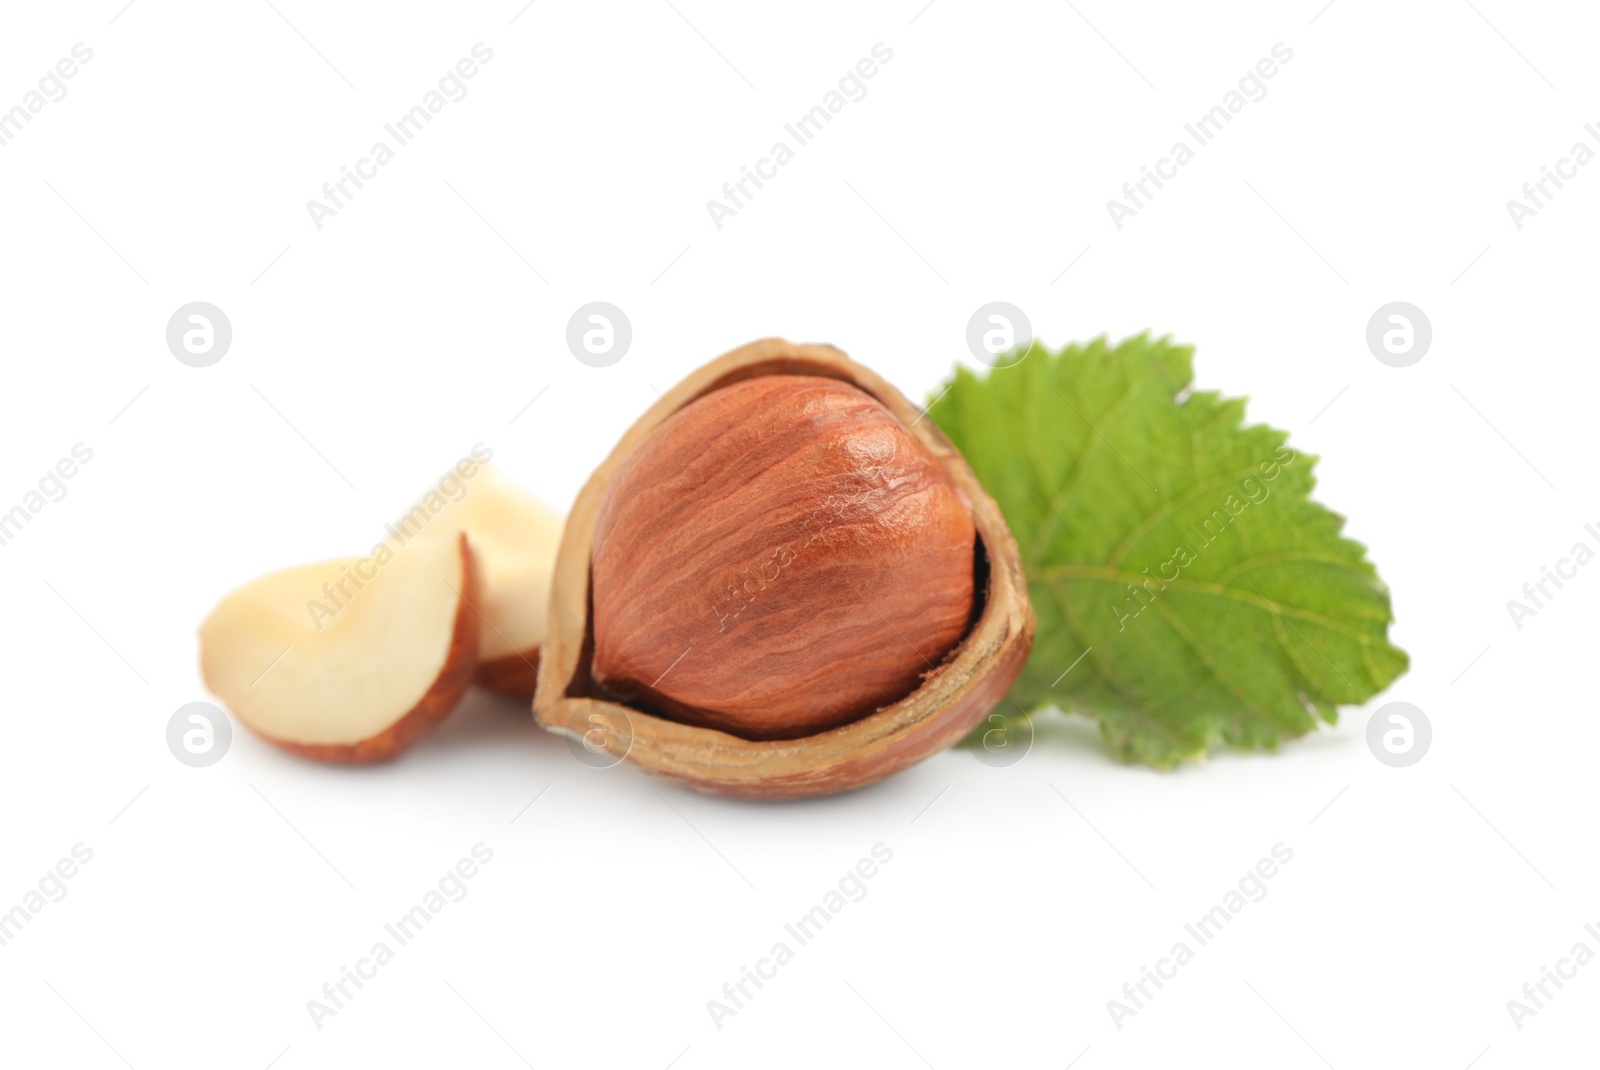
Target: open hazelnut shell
x,y
952,699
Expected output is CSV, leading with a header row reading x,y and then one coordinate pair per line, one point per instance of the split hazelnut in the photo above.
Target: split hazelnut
x,y
355,660
784,581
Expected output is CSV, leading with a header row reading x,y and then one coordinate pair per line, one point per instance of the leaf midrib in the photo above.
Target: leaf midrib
x,y
1116,575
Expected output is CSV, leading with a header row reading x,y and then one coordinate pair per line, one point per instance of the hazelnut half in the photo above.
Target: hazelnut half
x,y
784,581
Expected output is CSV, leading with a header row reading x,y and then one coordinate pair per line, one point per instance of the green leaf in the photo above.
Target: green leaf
x,y
1187,588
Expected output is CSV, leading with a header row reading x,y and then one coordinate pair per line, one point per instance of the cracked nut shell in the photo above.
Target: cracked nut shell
x,y
886,616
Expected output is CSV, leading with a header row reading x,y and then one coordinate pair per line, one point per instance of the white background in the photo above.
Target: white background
x,y
371,354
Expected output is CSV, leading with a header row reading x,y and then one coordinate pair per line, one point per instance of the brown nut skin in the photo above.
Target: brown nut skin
x,y
779,557
950,701
514,676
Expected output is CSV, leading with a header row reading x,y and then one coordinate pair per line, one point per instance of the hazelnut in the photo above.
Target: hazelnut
x,y
782,582
779,557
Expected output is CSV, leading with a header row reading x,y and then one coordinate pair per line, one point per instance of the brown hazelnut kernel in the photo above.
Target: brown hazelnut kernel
x,y
779,557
